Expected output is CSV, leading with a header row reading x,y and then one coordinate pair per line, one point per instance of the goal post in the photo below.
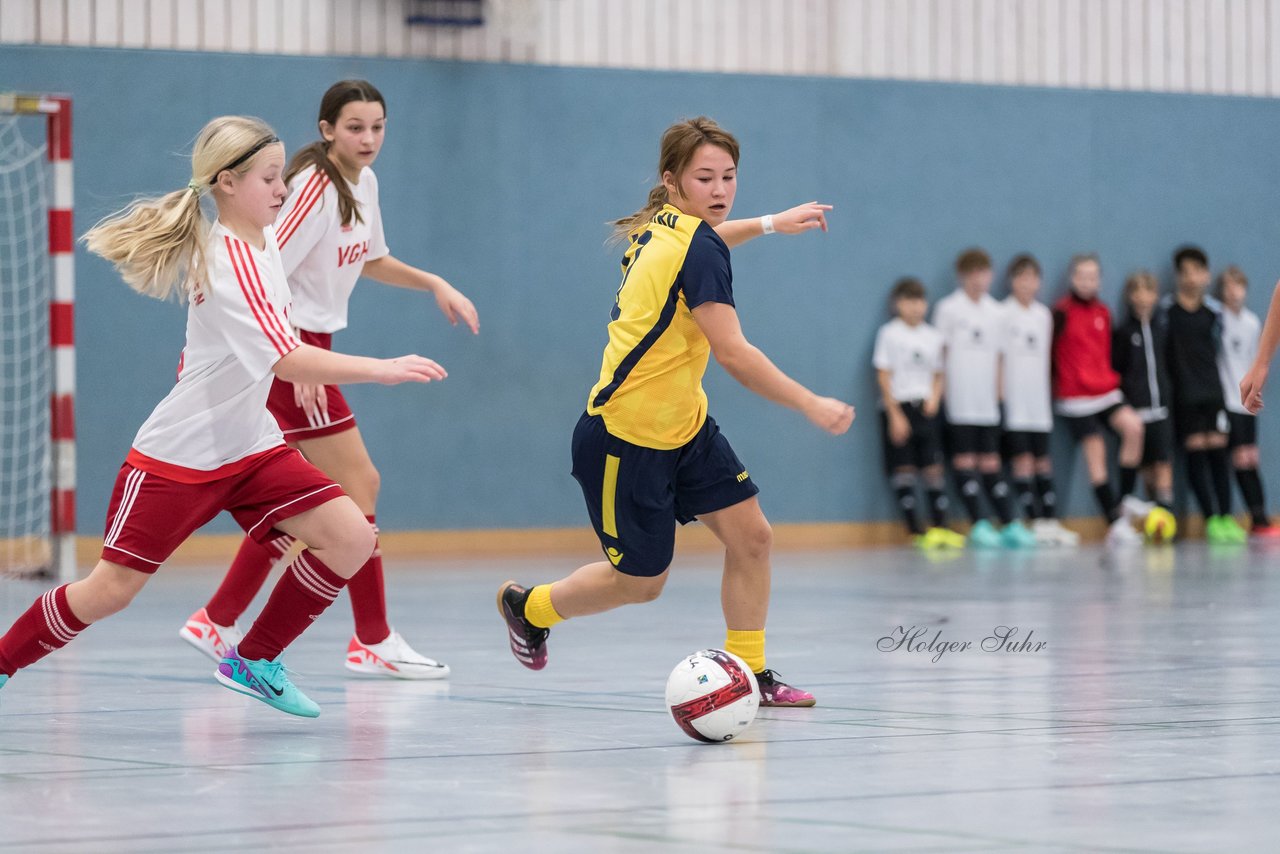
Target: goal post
x,y
37,333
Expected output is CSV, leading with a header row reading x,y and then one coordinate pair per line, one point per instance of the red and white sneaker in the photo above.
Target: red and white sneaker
x,y
392,658
775,692
209,637
1264,532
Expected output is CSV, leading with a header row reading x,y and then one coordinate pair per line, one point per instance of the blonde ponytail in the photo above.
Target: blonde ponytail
x,y
154,242
157,244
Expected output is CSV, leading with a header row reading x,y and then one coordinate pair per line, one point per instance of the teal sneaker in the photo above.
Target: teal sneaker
x,y
983,535
266,681
1016,536
3,679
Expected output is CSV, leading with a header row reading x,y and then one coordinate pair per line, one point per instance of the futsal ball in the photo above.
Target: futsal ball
x,y
713,695
1160,526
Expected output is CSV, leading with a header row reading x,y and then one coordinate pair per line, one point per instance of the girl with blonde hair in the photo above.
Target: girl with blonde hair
x,y
211,444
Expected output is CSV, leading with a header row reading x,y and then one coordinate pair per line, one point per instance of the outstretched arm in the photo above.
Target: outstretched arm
x,y
307,364
749,366
1256,378
454,306
806,217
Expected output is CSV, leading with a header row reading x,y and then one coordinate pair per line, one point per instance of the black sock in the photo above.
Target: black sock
x,y
998,494
1198,478
1048,498
939,504
967,482
1025,490
1128,480
1106,500
904,488
1220,467
1251,488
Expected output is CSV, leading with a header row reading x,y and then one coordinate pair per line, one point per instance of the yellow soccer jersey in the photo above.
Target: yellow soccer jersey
x,y
650,388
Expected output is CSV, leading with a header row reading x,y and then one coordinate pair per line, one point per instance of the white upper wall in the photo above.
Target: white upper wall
x,y
1211,46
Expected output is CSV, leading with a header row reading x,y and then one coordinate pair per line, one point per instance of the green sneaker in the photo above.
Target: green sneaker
x,y
1213,532
1232,531
266,681
983,535
1016,536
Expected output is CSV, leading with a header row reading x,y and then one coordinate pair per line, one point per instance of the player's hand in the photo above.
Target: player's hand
x,y
1251,388
311,399
801,218
456,307
931,407
834,416
899,428
409,369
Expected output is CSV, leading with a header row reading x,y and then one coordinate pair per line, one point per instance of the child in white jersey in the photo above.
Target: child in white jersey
x,y
908,363
211,445
330,234
1026,339
969,320
1240,331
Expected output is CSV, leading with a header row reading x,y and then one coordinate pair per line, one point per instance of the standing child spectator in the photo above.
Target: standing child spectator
x,y
1138,355
908,362
969,320
1240,331
1087,394
1026,338
1199,414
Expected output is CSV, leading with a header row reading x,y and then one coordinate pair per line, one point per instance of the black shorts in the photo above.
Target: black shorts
x,y
1157,442
922,449
1019,442
1200,418
1084,426
636,495
1244,429
973,439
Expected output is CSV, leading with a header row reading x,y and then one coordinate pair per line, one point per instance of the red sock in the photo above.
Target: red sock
x,y
245,578
303,593
368,592
47,625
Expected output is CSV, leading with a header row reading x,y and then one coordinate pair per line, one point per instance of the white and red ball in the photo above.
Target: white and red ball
x,y
713,695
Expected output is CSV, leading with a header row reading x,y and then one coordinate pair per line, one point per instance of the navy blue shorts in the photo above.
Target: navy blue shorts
x,y
636,495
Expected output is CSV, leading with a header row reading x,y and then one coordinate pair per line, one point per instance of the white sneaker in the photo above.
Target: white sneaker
x,y
1121,534
1050,532
209,637
1135,508
392,658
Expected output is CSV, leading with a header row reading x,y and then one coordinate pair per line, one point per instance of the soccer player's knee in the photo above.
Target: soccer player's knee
x,y
642,590
369,480
114,594
756,541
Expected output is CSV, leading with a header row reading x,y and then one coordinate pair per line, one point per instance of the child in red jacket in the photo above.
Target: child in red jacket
x,y
1086,391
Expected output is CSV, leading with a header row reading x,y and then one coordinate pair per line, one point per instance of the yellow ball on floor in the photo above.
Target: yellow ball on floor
x,y
1160,526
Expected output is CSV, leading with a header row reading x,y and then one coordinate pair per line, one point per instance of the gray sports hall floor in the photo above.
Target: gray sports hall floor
x,y
1150,721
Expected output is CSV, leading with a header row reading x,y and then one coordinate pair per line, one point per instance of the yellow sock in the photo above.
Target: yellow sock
x,y
749,646
538,608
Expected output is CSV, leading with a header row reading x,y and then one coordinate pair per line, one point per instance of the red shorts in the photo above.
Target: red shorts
x,y
151,515
294,421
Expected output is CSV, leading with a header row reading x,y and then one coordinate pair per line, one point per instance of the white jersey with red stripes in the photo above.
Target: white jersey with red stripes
x,y
322,257
238,327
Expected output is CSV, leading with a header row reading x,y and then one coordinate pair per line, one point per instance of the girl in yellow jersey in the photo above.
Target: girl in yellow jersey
x,y
645,452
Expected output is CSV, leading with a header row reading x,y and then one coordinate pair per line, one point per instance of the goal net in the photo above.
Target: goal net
x,y
37,473
25,387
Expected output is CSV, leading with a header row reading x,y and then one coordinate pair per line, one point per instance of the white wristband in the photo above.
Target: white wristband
x,y
766,223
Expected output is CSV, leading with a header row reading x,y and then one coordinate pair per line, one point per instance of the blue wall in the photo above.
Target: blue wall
x,y
501,177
